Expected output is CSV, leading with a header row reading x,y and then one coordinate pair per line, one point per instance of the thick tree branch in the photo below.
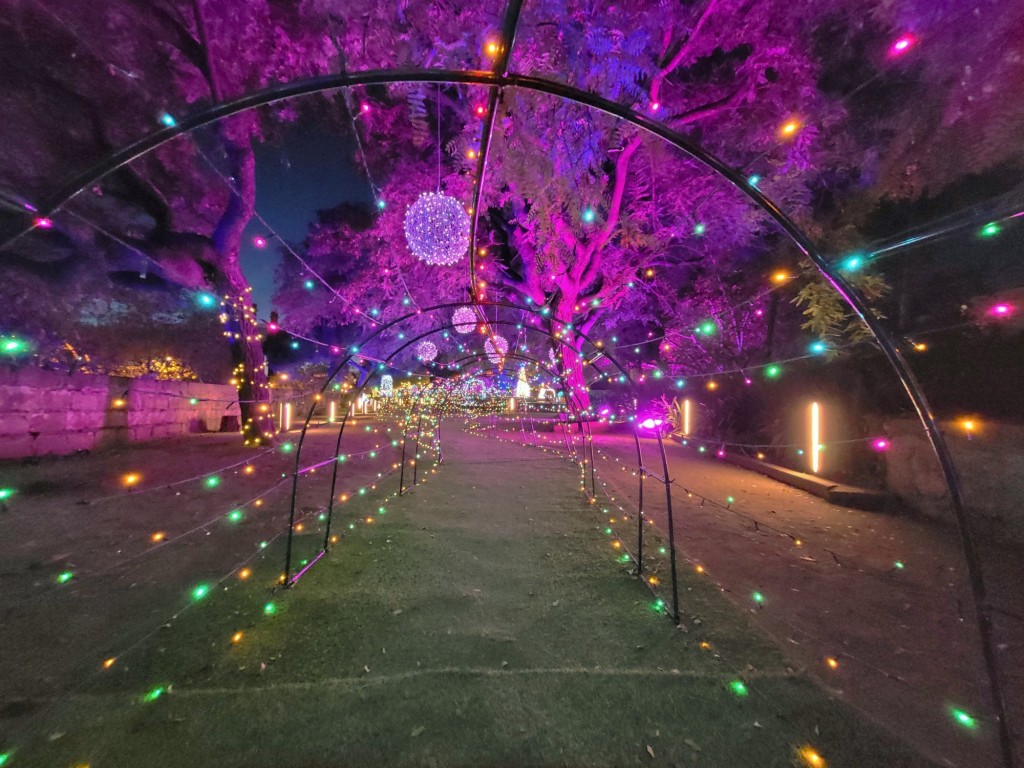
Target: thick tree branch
x,y
683,51
706,110
618,191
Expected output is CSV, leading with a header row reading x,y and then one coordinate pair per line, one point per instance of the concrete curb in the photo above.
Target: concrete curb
x,y
832,492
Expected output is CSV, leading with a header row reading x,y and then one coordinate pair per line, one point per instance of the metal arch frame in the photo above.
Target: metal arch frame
x,y
847,292
353,352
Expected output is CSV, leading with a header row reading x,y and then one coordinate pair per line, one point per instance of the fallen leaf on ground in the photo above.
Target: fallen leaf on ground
x,y
650,750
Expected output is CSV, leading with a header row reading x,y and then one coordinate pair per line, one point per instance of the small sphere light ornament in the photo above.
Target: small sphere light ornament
x,y
496,348
437,229
426,351
464,320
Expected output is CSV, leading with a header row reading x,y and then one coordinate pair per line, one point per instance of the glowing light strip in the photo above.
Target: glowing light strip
x,y
815,437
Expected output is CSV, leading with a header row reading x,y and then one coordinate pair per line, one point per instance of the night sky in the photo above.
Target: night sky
x,y
312,169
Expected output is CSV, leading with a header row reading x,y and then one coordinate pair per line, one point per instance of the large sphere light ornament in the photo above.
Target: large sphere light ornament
x,y
464,320
496,348
426,351
437,229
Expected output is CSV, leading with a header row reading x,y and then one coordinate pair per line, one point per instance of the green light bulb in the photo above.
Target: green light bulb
x,y
198,593
153,695
212,481
772,371
739,688
269,609
964,719
6,493
64,577
898,565
758,598
990,230
235,515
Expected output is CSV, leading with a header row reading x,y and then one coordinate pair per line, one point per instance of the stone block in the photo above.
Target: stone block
x,y
78,421
18,400
14,424
47,422
88,400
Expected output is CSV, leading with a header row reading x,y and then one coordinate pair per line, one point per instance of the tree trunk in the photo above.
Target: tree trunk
x,y
568,349
244,333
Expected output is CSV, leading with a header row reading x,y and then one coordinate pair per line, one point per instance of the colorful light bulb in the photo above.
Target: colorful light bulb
x,y
902,44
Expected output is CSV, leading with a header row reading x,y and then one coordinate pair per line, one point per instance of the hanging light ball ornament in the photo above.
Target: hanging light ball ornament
x,y
426,351
496,348
464,320
437,229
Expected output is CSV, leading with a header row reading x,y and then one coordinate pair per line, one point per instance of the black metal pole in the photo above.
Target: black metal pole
x,y
640,507
334,479
671,530
416,453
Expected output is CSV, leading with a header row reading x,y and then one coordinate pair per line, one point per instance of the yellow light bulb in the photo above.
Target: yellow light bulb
x,y
790,127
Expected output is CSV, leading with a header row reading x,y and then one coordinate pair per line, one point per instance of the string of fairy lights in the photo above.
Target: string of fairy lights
x,y
199,594
832,663
741,682
427,442
160,539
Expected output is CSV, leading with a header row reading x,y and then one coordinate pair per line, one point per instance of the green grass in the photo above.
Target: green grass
x,y
483,620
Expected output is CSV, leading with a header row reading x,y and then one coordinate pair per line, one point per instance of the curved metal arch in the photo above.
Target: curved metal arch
x,y
803,242
566,393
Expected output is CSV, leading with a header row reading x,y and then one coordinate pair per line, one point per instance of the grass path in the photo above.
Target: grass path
x,y
481,620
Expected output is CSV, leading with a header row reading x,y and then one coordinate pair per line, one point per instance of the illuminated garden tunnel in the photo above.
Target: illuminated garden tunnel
x,y
626,195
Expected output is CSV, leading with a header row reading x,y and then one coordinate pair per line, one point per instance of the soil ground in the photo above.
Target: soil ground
x,y
487,617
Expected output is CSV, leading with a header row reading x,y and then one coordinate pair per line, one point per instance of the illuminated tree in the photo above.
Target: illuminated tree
x,y
183,208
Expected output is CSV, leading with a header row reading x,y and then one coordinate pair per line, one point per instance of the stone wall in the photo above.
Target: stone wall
x,y
43,413
991,468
